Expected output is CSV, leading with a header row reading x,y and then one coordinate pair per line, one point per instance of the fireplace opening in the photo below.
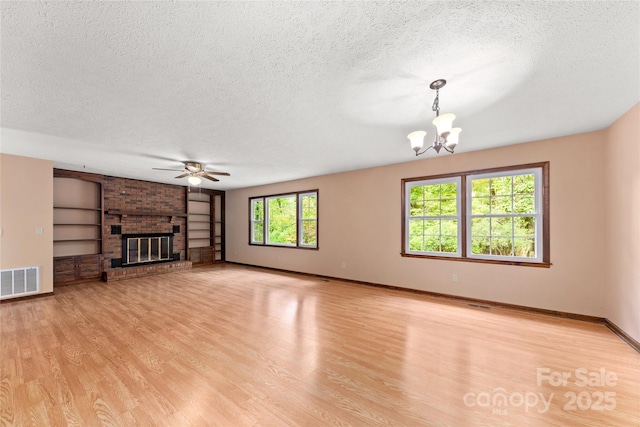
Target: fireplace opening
x,y
146,248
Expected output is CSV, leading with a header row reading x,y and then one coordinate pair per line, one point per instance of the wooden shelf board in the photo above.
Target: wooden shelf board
x,y
93,225
76,240
80,209
145,213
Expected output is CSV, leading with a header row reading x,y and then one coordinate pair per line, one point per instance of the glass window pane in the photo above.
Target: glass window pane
x,y
481,246
258,232
449,244
449,227
501,186
416,193
308,207
501,246
501,204
417,208
524,226
258,209
449,190
524,184
480,227
480,205
432,243
309,232
502,226
432,227
432,208
416,227
523,204
480,187
415,243
524,247
432,192
448,207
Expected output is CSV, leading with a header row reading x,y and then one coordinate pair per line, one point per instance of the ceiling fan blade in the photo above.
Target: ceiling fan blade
x,y
161,169
217,173
210,178
183,175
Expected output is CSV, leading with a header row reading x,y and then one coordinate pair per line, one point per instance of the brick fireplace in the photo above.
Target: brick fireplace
x,y
146,221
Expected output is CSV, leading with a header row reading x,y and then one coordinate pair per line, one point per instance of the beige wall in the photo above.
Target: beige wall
x,y
622,178
26,201
360,225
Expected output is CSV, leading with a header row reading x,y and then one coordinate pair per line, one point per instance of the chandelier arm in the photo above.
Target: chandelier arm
x,y
447,148
420,153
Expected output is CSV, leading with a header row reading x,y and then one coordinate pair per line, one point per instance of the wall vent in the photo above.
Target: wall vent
x,y
18,282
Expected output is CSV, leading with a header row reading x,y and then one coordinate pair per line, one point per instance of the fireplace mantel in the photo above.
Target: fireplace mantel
x,y
124,214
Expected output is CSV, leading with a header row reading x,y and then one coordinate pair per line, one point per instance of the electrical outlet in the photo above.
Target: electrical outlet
x,y
38,231
454,277
344,264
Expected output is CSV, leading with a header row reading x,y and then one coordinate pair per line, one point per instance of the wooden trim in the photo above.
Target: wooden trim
x,y
474,301
546,219
27,297
480,260
623,335
145,213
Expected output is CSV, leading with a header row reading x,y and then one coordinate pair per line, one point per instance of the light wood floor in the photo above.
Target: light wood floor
x,y
238,346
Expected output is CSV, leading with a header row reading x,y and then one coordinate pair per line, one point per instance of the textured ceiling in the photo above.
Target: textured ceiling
x,y
277,91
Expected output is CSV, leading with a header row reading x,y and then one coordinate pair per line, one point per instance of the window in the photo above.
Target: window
x,y
285,220
495,215
433,225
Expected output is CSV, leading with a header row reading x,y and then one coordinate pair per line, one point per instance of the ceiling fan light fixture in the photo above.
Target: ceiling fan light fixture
x,y
446,137
194,180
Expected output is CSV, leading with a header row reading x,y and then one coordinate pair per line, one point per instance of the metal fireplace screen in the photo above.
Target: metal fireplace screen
x,y
144,249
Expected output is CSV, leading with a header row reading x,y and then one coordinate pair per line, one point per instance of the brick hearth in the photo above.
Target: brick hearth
x,y
112,274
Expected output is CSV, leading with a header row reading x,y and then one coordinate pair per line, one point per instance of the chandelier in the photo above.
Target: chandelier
x,y
446,136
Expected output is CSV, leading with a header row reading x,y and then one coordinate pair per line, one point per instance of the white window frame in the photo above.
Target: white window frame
x,y
408,186
538,214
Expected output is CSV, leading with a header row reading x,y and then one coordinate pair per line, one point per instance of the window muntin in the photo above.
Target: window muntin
x,y
433,222
289,220
505,215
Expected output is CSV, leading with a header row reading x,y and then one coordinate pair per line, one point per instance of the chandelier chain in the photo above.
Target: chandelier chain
x,y
436,103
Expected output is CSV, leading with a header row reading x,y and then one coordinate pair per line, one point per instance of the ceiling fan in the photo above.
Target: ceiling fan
x,y
195,171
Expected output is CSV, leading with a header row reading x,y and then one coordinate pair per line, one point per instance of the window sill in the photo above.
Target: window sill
x,y
482,261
